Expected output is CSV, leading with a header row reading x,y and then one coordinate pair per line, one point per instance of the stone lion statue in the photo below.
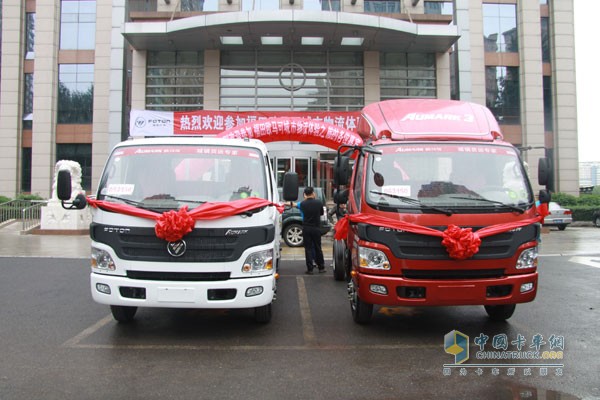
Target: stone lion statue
x,y
75,169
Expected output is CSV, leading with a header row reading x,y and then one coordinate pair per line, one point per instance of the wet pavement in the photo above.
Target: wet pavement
x,y
59,344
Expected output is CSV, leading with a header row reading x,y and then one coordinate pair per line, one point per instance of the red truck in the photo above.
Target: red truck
x,y
440,211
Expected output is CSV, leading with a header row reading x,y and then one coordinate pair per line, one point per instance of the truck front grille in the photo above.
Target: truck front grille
x,y
412,246
453,274
178,276
202,244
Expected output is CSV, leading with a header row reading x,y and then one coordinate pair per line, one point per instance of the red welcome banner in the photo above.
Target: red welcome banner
x,y
212,122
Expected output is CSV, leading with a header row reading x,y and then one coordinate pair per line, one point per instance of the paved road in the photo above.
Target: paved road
x,y
58,344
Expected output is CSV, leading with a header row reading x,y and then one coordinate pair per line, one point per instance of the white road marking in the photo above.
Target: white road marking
x,y
589,261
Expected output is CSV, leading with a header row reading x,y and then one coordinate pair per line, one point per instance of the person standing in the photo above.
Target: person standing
x,y
311,209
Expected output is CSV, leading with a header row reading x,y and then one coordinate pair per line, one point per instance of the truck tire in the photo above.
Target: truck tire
x,y
597,222
263,314
339,260
123,314
500,313
562,227
361,311
292,235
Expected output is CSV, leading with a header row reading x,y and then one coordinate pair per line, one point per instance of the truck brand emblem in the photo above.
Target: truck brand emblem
x,y
236,232
176,249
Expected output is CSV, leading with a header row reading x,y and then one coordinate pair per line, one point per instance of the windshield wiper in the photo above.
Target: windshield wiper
x,y
410,200
126,201
198,202
499,203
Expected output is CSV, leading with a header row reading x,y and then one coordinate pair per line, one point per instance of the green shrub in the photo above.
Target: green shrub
x,y
583,213
4,199
29,197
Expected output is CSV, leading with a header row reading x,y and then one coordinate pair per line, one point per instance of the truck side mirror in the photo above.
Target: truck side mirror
x,y
290,186
544,196
63,192
63,185
341,170
544,171
340,196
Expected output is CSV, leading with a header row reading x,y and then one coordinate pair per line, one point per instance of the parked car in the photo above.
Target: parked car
x,y
291,229
596,218
559,217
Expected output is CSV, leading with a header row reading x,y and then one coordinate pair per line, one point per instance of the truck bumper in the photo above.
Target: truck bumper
x,y
419,292
232,293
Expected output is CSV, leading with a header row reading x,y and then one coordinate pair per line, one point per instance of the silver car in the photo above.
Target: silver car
x,y
559,217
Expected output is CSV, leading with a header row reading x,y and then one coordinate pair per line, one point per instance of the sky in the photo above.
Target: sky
x,y
588,78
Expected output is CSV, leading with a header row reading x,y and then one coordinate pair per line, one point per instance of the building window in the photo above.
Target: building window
x,y
322,5
260,5
26,170
29,36
503,94
439,7
545,39
82,153
500,28
548,109
75,93
284,80
199,5
77,25
175,80
28,101
404,75
141,5
382,6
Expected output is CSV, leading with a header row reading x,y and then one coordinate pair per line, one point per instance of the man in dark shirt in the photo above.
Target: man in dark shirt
x,y
312,209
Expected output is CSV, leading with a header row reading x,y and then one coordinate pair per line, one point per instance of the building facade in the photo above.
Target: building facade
x,y
71,71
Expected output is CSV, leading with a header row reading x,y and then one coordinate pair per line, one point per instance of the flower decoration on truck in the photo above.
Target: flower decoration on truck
x,y
173,225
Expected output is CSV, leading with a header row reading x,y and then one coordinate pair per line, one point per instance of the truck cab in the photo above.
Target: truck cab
x,y
428,166
225,259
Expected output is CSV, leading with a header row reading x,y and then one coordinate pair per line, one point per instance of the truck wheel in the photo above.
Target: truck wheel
x,y
123,314
263,314
500,313
597,222
292,235
339,260
562,227
361,311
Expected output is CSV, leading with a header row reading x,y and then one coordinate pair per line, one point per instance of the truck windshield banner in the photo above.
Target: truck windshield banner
x,y
213,122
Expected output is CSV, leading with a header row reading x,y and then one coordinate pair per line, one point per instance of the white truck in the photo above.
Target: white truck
x,y
219,246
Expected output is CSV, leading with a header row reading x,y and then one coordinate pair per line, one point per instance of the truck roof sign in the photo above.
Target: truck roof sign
x,y
428,119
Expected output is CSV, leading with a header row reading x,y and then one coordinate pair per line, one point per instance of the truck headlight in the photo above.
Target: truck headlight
x,y
259,262
528,258
371,258
102,260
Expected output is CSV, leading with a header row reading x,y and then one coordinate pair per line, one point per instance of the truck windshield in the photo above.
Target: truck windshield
x,y
170,176
449,178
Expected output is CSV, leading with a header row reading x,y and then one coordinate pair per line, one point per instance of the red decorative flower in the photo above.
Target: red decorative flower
x,y
460,243
173,225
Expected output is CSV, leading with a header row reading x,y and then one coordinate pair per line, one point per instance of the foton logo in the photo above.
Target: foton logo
x,y
236,232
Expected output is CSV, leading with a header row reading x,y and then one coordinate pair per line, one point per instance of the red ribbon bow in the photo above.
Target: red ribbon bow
x,y
461,243
173,225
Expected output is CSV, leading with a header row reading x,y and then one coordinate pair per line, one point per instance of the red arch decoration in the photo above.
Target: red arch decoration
x,y
295,129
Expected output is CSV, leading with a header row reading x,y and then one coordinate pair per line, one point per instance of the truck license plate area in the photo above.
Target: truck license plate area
x,y
458,292
175,295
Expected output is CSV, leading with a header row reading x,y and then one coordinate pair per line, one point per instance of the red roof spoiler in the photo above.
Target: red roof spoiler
x,y
428,119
